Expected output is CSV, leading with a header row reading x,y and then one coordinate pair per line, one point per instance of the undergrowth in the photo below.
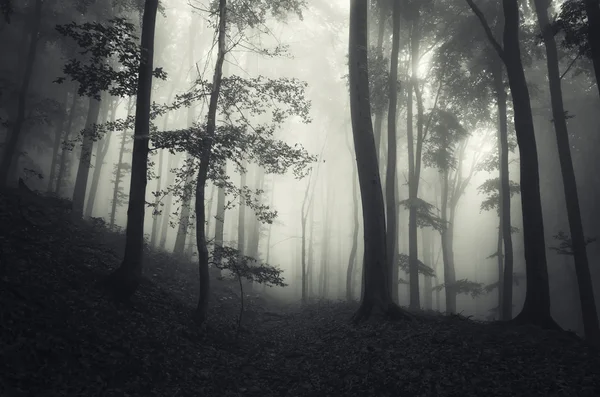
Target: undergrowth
x,y
60,335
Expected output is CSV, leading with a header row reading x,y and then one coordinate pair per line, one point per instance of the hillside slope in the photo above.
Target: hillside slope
x,y
62,336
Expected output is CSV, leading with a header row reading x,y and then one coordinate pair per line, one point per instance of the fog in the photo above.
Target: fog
x,y
314,51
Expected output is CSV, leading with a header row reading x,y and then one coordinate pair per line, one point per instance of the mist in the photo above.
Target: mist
x,y
252,115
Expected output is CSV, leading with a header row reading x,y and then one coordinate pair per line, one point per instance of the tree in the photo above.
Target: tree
x,y
592,9
582,269
10,148
536,309
376,286
390,185
125,279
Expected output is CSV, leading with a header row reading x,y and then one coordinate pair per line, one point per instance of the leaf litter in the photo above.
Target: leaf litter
x,y
60,335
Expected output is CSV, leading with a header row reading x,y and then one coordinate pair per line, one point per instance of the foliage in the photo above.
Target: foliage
x,y
240,138
464,286
491,162
426,217
253,14
102,45
247,267
517,278
565,246
491,188
446,133
573,24
403,263
378,80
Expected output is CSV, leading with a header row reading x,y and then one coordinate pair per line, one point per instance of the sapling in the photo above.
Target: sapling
x,y
248,268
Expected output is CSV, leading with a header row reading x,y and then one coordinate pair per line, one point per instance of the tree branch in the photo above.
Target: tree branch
x,y
487,29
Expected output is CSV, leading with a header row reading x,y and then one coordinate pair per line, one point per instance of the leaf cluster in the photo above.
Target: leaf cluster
x,y
404,263
440,146
102,45
246,267
426,214
565,246
491,188
464,286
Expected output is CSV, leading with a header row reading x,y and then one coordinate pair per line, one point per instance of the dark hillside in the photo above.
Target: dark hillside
x,y
60,335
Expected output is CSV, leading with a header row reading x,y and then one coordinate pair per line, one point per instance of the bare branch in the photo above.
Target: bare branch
x,y
487,29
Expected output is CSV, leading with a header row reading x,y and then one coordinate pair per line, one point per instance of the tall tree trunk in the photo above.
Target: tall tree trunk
x,y
427,260
58,133
254,239
10,147
536,308
220,217
126,279
166,218
184,214
592,9
582,269
303,219
414,155
155,215
87,146
449,274
390,185
379,115
505,260
241,235
202,307
119,168
62,167
101,150
376,286
209,210
354,249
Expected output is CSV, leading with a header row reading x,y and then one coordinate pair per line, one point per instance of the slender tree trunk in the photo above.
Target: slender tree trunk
x,y
376,286
355,226
254,239
303,218
209,210
505,259
592,9
202,307
379,115
64,153
10,147
390,185
310,267
119,168
241,235
101,150
83,169
155,215
58,132
166,219
220,217
127,277
582,269
536,308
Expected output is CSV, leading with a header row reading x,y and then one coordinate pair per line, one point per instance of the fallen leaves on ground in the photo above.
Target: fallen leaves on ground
x,y
62,336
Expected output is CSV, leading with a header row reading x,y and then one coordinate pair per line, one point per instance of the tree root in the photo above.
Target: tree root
x,y
541,321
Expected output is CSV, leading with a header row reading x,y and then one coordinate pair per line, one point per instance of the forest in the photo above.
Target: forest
x,y
188,208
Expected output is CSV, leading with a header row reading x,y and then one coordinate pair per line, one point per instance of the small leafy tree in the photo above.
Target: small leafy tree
x,y
246,268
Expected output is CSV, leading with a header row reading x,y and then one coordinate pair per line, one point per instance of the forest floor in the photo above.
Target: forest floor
x,y
60,335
